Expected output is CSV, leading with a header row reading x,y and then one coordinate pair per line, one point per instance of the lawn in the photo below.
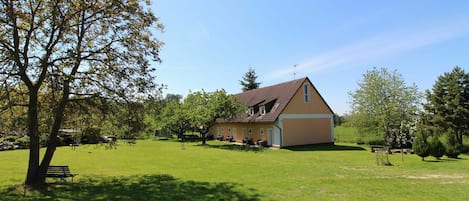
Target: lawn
x,y
166,170
351,135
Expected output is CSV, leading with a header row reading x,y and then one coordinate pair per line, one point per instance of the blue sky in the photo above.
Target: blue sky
x,y
210,44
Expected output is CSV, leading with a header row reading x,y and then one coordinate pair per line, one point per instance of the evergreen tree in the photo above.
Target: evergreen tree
x,y
249,80
448,103
453,149
437,149
421,146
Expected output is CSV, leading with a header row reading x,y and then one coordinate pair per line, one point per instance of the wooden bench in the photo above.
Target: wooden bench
x,y
60,172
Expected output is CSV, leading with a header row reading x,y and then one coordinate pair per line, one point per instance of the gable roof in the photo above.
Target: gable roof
x,y
276,96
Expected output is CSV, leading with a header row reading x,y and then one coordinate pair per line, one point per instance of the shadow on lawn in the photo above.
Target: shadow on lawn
x,y
325,147
235,147
149,187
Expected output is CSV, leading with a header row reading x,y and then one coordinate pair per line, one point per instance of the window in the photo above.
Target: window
x,y
250,130
261,131
306,93
262,109
251,111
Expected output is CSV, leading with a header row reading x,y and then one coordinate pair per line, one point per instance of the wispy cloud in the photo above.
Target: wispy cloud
x,y
379,46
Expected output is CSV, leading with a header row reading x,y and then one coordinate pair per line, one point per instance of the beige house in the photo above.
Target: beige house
x,y
287,114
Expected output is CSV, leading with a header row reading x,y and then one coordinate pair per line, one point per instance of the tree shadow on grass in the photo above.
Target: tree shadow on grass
x,y
235,147
148,187
325,147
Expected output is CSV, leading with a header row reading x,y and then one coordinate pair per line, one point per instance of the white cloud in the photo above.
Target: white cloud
x,y
379,46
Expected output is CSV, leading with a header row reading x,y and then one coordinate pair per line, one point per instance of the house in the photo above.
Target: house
x,y
286,114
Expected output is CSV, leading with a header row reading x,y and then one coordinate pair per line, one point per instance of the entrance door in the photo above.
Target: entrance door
x,y
269,137
244,132
234,133
276,140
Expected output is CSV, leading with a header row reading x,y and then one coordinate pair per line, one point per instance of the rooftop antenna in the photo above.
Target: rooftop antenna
x,y
294,70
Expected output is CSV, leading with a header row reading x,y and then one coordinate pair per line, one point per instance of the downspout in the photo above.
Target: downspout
x,y
281,135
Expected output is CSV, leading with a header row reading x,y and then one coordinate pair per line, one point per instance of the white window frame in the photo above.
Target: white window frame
x,y
262,109
251,111
307,93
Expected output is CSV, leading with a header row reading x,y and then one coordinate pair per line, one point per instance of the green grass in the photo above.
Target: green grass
x,y
351,135
166,170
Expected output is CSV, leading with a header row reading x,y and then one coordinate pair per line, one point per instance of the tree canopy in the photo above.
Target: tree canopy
x,y
199,111
447,106
385,105
249,80
74,50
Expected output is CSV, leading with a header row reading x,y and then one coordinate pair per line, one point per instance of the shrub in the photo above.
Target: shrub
x,y
23,142
376,142
437,149
421,146
453,148
359,140
10,138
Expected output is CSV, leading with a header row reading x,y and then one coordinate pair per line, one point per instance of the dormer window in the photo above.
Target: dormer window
x,y
251,111
262,109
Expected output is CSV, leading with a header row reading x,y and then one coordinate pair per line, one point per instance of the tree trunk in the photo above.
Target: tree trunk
x,y
52,145
33,132
203,133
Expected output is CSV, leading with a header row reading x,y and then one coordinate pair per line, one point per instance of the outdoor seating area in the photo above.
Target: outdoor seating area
x,y
61,172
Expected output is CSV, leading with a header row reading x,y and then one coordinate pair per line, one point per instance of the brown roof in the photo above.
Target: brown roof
x,y
275,97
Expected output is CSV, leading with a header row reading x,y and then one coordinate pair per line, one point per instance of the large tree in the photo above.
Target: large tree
x,y
206,108
174,117
249,80
77,49
385,105
447,106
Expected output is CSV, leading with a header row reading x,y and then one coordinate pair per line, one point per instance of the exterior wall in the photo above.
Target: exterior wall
x,y
298,105
300,131
255,134
306,122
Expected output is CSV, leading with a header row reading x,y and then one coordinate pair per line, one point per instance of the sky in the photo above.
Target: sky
x,y
210,44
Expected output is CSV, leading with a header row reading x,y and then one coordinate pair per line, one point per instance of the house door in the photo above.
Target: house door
x,y
234,133
269,137
244,133
276,141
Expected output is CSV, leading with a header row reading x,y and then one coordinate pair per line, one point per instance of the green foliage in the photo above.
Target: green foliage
x,y
385,105
73,50
338,120
23,142
206,108
249,80
90,135
453,148
174,117
420,145
437,149
447,104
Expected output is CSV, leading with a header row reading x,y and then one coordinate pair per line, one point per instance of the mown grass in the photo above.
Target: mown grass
x,y
351,135
168,170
